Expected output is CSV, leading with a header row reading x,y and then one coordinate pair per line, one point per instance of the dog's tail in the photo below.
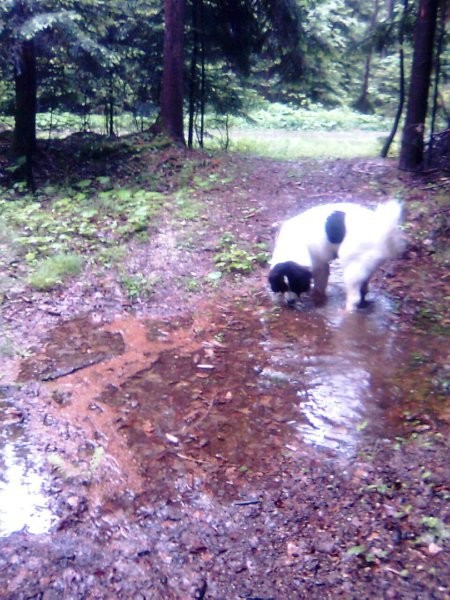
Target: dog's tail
x,y
388,217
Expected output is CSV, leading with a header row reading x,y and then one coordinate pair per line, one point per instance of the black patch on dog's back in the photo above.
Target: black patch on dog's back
x,y
335,227
298,278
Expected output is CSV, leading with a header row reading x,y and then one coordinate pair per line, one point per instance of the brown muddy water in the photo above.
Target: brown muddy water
x,y
128,405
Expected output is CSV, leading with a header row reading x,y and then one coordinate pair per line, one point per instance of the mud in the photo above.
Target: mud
x,y
185,422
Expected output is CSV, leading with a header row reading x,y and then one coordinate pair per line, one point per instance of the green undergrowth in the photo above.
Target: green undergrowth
x,y
53,270
231,258
53,234
51,230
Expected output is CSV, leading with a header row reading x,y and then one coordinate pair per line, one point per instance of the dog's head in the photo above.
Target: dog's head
x,y
291,279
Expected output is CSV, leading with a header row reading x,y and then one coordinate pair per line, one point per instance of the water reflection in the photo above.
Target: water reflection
x,y
23,504
341,367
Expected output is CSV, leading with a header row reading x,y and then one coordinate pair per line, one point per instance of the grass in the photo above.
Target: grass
x,y
312,118
287,133
290,145
137,285
53,270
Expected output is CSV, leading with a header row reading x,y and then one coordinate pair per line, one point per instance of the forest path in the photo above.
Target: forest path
x,y
209,444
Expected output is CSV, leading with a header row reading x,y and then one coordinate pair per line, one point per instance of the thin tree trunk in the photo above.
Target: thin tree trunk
x,y
172,83
363,103
437,72
24,142
203,78
110,122
411,154
401,93
193,88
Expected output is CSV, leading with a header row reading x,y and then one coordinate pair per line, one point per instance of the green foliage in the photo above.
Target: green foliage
x,y
8,244
187,208
232,259
137,285
312,117
436,531
53,270
100,61
82,219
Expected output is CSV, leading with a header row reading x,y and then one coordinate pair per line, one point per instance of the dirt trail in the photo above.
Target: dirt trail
x,y
208,444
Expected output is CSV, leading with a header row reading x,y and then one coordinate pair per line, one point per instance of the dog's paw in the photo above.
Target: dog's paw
x,y
319,298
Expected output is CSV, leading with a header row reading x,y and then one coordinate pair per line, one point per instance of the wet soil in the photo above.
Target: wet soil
x,y
212,444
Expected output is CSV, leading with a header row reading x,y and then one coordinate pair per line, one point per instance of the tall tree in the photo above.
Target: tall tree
x,y
401,90
363,103
411,153
172,93
25,86
28,28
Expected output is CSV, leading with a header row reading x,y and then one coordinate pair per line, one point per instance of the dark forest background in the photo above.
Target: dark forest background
x,y
180,67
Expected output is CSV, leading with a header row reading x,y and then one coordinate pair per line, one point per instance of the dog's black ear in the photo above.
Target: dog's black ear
x,y
299,278
276,279
335,227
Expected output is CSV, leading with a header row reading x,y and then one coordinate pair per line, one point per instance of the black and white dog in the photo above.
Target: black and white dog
x,y
361,238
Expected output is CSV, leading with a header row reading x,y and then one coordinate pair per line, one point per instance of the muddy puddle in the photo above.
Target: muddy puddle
x,y
144,407
23,499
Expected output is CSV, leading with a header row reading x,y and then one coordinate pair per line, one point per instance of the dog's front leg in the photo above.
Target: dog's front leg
x,y
321,272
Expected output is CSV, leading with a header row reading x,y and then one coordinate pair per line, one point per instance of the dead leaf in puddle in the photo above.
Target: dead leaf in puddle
x,y
192,415
209,353
433,549
265,400
202,375
181,385
147,427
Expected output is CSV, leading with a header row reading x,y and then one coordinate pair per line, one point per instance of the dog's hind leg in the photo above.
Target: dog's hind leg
x,y
364,288
355,286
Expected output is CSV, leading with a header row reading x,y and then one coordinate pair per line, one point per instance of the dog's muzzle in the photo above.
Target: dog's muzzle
x,y
291,298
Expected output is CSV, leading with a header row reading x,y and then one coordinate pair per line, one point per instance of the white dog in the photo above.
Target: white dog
x,y
363,239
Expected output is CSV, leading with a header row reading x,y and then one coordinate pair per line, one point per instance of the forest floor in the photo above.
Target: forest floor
x,y
159,445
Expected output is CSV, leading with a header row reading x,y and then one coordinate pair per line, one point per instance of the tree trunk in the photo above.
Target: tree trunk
x,y
172,82
411,153
363,103
437,74
401,92
193,86
24,141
